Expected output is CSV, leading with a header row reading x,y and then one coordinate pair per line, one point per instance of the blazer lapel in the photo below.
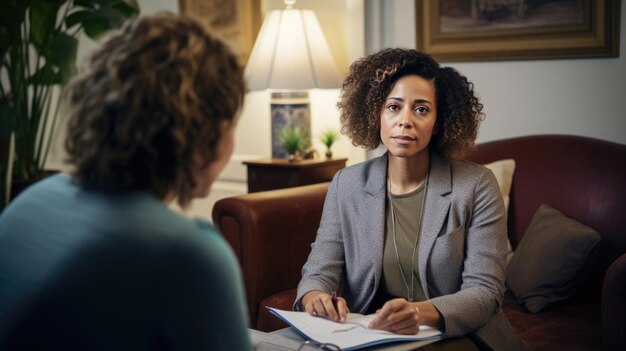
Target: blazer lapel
x,y
375,202
437,205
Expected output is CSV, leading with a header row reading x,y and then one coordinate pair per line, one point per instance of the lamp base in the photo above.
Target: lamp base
x,y
289,109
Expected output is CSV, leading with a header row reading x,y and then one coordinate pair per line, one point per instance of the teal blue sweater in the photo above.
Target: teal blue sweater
x,y
86,269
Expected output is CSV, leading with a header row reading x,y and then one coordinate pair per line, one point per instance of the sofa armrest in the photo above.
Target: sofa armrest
x,y
613,306
271,233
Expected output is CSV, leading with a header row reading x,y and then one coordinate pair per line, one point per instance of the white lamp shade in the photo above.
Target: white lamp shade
x,y
291,53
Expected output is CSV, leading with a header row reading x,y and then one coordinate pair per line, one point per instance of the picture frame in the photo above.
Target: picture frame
x,y
237,22
479,30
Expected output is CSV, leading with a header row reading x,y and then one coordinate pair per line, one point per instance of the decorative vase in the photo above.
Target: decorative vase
x,y
329,154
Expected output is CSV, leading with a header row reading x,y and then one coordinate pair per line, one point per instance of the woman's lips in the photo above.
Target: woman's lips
x,y
403,138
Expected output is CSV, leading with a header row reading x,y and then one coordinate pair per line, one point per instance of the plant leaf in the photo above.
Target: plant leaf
x,y
102,20
63,51
7,120
106,3
130,8
292,139
46,75
85,3
60,53
12,15
42,17
76,17
5,39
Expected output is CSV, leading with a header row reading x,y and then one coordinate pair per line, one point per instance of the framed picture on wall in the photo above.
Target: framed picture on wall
x,y
482,30
237,22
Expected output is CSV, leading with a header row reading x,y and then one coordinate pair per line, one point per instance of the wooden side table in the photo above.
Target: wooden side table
x,y
278,173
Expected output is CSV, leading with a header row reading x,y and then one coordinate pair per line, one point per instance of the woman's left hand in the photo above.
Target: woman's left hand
x,y
398,316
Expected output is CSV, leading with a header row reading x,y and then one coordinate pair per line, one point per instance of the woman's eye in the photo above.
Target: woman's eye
x,y
393,107
421,109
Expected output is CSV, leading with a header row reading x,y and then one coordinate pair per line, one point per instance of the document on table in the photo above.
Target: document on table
x,y
351,335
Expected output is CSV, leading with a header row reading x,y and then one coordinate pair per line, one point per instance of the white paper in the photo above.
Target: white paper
x,y
352,334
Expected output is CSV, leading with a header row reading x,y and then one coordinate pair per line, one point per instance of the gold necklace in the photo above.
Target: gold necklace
x,y
409,291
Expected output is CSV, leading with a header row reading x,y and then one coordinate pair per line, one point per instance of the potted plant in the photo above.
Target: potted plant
x,y
38,44
293,140
328,138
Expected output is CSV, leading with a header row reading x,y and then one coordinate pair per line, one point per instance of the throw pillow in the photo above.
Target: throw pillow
x,y
503,170
550,259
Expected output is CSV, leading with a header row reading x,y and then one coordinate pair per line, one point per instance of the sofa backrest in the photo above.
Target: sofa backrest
x,y
582,177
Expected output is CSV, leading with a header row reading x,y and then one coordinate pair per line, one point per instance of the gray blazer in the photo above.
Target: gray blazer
x,y
461,250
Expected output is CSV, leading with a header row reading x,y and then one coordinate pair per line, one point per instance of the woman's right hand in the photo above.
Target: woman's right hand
x,y
319,303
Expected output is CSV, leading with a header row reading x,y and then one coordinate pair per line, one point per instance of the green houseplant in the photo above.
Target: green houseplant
x,y
294,141
38,44
328,138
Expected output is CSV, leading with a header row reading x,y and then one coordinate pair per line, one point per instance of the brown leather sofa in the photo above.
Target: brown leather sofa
x,y
584,178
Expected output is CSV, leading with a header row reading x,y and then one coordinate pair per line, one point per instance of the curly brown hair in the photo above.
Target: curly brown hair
x,y
152,107
369,81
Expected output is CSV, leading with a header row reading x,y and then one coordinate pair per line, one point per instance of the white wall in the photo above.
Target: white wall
x,y
577,96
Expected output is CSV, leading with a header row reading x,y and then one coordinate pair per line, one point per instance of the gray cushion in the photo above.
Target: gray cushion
x,y
549,261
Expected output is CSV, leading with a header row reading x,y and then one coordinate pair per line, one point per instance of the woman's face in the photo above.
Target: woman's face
x,y
224,150
407,120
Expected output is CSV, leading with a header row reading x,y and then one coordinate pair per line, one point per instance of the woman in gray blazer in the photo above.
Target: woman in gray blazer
x,y
416,235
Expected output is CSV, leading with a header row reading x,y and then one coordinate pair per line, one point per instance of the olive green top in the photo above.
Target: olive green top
x,y
407,209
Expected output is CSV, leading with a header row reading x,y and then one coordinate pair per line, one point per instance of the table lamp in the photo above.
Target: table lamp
x,y
290,56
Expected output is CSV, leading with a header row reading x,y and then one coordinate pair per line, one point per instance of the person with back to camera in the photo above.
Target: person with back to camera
x,y
96,260
416,235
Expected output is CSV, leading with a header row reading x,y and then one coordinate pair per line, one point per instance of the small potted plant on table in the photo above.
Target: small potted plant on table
x,y
328,138
293,140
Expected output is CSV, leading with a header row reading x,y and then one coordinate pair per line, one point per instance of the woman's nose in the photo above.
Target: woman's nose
x,y
405,120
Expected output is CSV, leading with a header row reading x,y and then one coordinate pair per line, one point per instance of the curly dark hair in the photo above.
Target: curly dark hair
x,y
152,107
370,80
